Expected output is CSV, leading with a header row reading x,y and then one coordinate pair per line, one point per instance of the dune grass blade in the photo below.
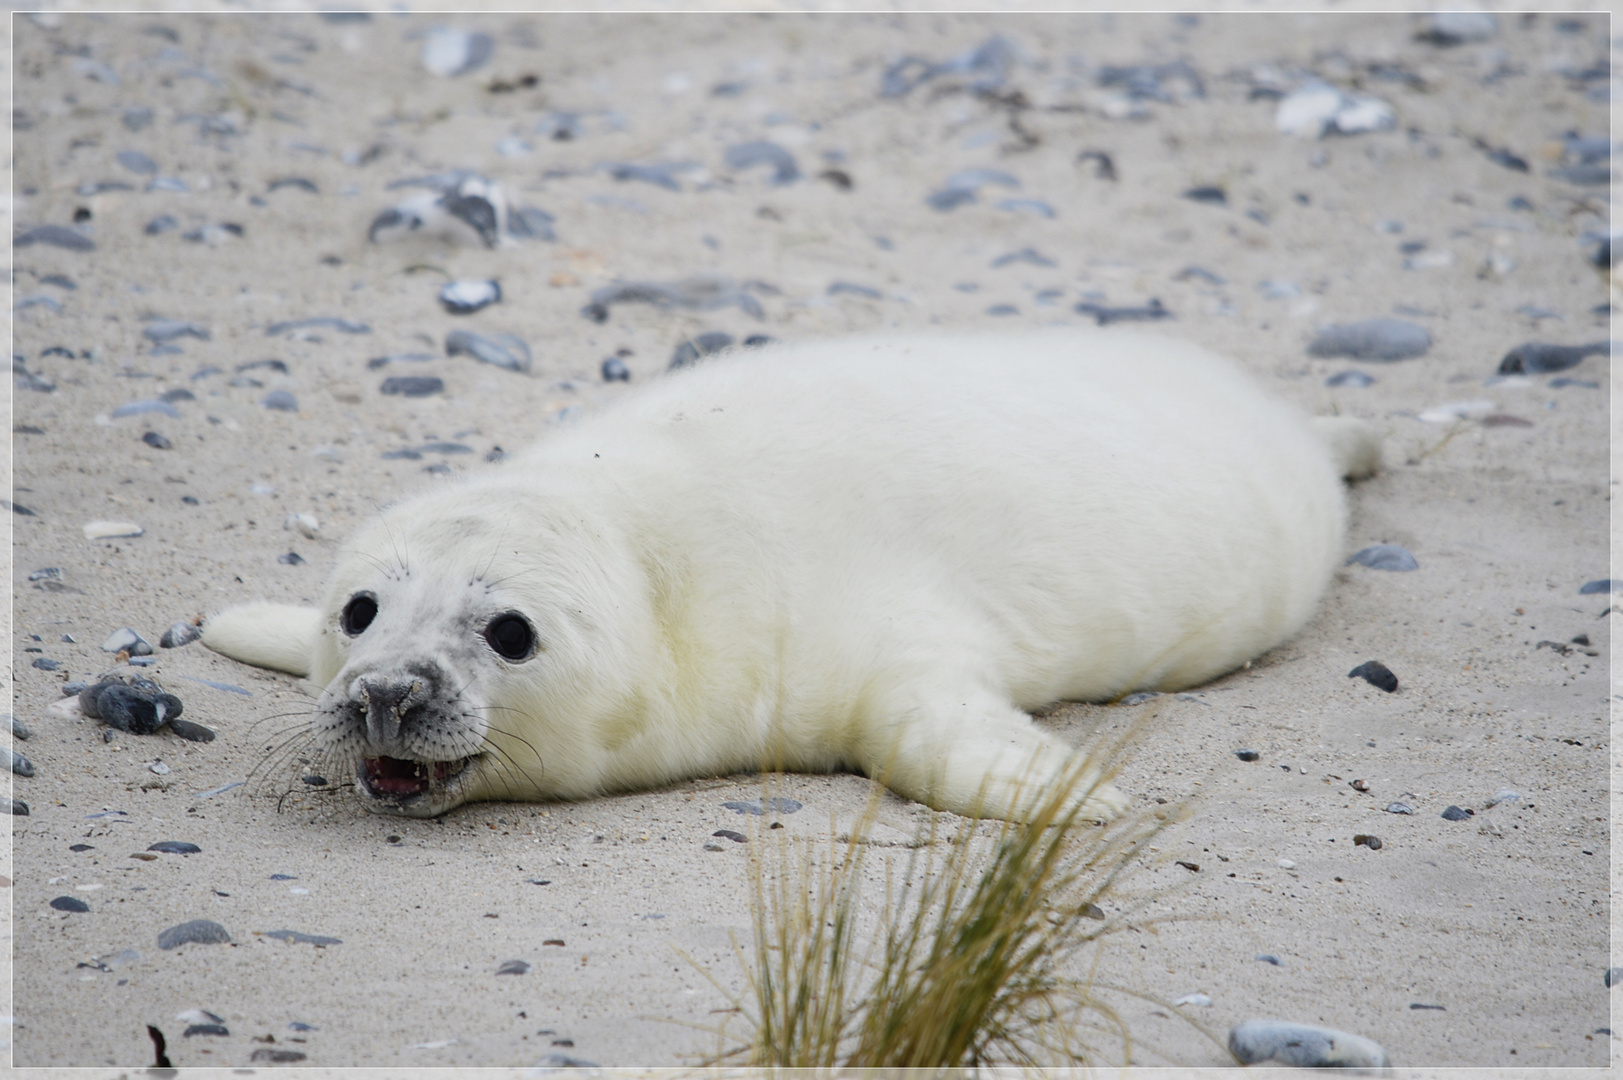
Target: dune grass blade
x,y
968,961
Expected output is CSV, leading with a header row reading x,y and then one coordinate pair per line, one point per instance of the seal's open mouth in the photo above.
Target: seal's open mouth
x,y
399,778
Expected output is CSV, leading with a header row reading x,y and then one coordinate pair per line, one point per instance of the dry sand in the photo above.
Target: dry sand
x,y
1497,924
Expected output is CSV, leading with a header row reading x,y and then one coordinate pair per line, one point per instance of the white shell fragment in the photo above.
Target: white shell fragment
x,y
1316,109
108,530
1303,1046
305,524
448,52
126,640
459,205
1454,410
466,297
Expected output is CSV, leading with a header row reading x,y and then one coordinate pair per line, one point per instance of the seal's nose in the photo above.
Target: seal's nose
x,y
386,700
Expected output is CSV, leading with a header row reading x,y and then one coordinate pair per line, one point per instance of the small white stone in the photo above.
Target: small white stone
x,y
1286,864
160,768
1455,410
305,524
108,530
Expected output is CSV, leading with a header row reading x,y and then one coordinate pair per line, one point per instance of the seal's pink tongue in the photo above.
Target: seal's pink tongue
x,y
395,776
392,776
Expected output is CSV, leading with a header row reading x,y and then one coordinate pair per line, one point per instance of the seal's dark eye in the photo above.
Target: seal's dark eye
x,y
510,636
359,613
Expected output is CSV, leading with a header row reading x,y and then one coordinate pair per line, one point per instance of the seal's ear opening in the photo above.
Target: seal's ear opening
x,y
511,635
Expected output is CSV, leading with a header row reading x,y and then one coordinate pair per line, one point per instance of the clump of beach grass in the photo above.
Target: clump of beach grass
x,y
974,957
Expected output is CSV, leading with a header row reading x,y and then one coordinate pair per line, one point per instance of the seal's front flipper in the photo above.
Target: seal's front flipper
x,y
281,637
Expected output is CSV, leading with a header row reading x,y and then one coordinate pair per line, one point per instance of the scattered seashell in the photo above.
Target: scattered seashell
x,y
175,847
160,769
1303,1046
328,322
460,205
703,292
16,762
291,558
12,806
157,441
466,297
126,640
448,52
1384,557
1454,813
1316,109
137,408
659,173
1034,207
1350,378
1446,28
1453,411
1197,999
305,524
1247,755
514,967
276,1057
1399,808
1377,675
502,350
295,937
961,187
412,386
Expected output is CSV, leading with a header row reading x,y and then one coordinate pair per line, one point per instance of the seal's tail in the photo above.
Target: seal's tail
x,y
277,636
1355,446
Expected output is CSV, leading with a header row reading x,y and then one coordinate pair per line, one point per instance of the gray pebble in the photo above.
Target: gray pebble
x,y
1215,196
1350,378
1556,384
1454,813
205,1029
1380,339
615,370
137,162
660,173
1003,309
703,292
1534,358
466,297
530,223
733,835
502,350
294,182
294,937
384,361
1270,959
694,349
327,322
750,154
70,903
1028,256
179,633
175,847
1589,588
291,558
44,300
1139,698
1384,557
777,804
18,729
16,762
1150,82
1584,175
16,807
1614,976
1198,273
166,330
169,183
446,448
137,408
137,118
276,1057
989,63
196,932
403,454
1303,1046
1376,674
157,441
1247,755
126,640
56,235
1035,207
280,401
413,386
961,187
846,288
1104,316
1399,808
45,663
213,234
565,1061
514,967
161,224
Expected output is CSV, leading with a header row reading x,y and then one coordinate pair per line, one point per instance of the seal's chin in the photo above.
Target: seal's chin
x,y
411,788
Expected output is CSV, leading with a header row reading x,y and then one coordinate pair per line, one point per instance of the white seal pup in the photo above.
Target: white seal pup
x,y
868,554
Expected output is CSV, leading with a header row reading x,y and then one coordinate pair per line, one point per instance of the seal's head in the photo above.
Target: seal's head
x,y
450,645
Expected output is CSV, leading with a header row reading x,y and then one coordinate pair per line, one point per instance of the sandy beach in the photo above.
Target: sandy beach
x,y
208,345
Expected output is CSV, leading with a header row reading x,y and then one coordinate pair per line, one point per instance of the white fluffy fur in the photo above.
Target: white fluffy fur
x,y
870,553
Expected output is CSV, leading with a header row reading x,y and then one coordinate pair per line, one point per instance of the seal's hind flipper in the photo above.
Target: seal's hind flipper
x,y
281,637
1355,446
